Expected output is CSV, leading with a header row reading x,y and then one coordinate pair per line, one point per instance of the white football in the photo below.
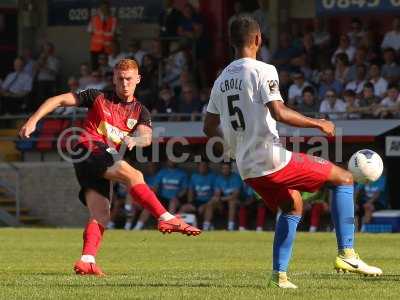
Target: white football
x,y
366,166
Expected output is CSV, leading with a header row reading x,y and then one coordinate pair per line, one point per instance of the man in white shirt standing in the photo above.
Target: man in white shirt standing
x,y
244,105
392,38
14,88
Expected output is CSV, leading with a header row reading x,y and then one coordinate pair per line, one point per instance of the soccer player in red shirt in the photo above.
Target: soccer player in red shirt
x,y
111,121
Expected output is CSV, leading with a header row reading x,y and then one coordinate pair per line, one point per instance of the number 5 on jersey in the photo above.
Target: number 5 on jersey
x,y
235,111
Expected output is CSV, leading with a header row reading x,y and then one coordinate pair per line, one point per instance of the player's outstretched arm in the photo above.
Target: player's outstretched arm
x,y
281,113
68,99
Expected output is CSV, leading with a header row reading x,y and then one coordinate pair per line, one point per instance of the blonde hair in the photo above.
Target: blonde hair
x,y
126,64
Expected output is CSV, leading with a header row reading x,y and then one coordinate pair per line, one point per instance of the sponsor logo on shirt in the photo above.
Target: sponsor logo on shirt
x,y
131,123
112,133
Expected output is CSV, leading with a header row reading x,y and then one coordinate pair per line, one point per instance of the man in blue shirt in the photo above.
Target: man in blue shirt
x,y
371,197
227,190
200,193
171,186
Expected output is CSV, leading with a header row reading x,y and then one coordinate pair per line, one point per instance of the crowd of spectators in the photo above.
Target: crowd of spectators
x,y
357,77
353,76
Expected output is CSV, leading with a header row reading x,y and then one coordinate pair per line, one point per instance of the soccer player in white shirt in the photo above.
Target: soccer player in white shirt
x,y
244,105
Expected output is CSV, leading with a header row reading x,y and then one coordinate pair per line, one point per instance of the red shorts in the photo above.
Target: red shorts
x,y
303,172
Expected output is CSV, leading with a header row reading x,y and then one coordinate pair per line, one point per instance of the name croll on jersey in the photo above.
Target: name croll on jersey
x,y
240,96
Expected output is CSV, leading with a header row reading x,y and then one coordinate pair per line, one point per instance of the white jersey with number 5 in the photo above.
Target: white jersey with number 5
x,y
239,96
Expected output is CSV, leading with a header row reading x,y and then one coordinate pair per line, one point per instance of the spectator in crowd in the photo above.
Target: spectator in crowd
x,y
264,53
390,69
310,51
368,101
103,64
342,68
360,59
358,83
370,197
238,12
380,84
189,102
98,82
171,186
352,104
322,38
227,191
392,38
135,52
332,105
317,203
48,68
156,50
115,54
390,104
175,64
200,194
344,47
166,103
285,52
85,78
14,89
148,88
135,210
102,28
260,15
284,83
248,201
309,103
357,33
369,42
29,67
328,82
296,89
169,20
300,64
73,87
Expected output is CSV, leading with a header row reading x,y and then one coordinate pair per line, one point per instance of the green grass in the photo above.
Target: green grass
x,y
37,263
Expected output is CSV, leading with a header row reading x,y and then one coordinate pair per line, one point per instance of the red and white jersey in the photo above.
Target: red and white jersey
x,y
110,119
239,96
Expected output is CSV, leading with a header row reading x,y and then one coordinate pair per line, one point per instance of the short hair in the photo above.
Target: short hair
x,y
308,89
368,85
349,93
126,64
241,31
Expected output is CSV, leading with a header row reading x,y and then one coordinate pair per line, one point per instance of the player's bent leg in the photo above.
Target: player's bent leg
x,y
342,212
123,172
285,232
99,211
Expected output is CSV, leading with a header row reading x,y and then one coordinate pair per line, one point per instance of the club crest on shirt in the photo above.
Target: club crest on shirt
x,y
131,123
273,86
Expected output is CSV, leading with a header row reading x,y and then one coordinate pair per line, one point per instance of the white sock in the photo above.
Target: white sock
x,y
88,259
128,225
231,225
166,217
259,228
313,229
139,225
206,226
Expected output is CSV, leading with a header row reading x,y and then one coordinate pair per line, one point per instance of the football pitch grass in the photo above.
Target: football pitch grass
x,y
37,264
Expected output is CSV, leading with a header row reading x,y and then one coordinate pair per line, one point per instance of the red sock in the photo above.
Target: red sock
x,y
92,237
261,211
242,217
147,199
316,211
